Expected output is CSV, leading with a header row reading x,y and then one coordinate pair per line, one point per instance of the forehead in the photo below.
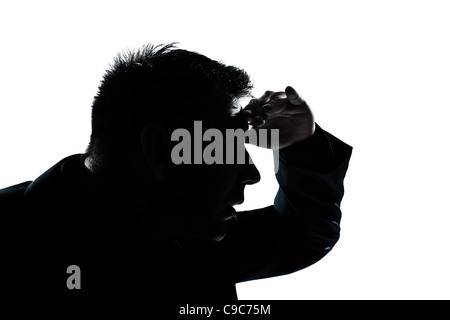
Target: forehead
x,y
236,119
222,112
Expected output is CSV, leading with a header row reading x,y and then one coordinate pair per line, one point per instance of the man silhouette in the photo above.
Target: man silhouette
x,y
132,222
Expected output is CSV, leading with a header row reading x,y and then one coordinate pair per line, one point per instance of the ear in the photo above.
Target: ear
x,y
155,146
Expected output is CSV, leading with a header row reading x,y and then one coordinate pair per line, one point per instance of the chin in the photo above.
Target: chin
x,y
218,238
218,231
217,227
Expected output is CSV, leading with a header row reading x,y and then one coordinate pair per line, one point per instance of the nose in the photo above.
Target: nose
x,y
249,173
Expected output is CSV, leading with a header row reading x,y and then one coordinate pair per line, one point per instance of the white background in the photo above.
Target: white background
x,y
376,74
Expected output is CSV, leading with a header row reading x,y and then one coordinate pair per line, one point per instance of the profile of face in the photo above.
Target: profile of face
x,y
202,196
207,194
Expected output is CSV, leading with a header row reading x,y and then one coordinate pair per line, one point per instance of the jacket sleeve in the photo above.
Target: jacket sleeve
x,y
303,224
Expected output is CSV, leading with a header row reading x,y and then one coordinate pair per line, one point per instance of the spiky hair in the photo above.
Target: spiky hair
x,y
161,84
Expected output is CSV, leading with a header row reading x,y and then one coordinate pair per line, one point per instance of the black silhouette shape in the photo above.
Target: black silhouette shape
x,y
137,224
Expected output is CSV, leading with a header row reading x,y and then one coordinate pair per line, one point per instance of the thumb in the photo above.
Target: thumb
x,y
293,97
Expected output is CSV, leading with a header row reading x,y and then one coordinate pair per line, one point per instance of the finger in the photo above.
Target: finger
x,y
251,103
278,95
273,107
259,101
293,97
247,114
257,121
276,104
266,97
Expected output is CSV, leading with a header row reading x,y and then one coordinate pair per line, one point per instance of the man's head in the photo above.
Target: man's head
x,y
143,98
158,84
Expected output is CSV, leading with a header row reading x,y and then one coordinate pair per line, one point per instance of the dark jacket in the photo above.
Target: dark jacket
x,y
48,225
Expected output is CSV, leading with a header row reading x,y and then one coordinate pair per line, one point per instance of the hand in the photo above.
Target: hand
x,y
285,111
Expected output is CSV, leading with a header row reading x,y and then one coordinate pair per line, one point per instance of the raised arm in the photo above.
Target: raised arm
x,y
303,224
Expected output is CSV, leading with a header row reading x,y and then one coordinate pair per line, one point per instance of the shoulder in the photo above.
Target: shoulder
x,y
13,194
48,184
